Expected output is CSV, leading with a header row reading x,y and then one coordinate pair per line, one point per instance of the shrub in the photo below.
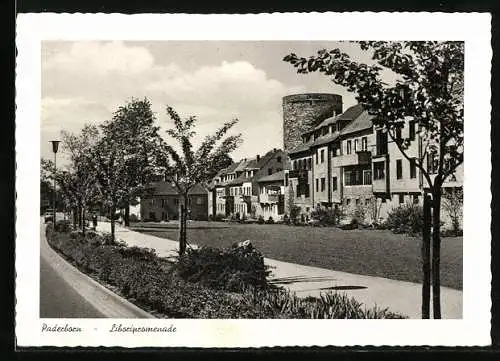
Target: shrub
x,y
219,217
270,220
133,218
294,214
63,225
327,217
243,218
261,220
286,219
407,218
150,282
231,269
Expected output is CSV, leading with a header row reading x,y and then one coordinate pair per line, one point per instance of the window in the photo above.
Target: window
x,y
356,145
401,198
286,179
316,157
348,201
378,168
364,144
152,201
415,199
163,203
278,159
322,184
347,178
367,177
399,169
270,171
357,201
322,155
381,142
317,185
325,131
413,168
176,201
334,184
348,147
412,130
309,163
295,165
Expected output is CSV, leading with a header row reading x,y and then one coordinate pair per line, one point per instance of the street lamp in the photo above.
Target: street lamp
x,y
55,146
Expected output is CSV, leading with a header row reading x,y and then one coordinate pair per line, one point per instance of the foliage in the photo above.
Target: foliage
x,y
63,225
189,167
270,220
219,217
231,269
326,216
261,220
133,218
428,90
453,204
407,218
283,304
150,282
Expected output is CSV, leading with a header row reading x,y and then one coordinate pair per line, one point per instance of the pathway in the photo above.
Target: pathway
x,y
398,296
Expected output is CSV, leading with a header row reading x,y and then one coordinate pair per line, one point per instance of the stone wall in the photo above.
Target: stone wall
x,y
302,112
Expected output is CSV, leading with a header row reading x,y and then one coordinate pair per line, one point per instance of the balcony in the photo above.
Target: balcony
x,y
380,186
358,158
268,198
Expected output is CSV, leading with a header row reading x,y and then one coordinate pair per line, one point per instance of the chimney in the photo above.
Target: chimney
x,y
258,157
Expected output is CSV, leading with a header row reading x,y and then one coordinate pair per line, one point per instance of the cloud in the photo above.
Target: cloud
x,y
89,80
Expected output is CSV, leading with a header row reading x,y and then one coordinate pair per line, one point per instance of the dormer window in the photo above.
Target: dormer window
x,y
325,131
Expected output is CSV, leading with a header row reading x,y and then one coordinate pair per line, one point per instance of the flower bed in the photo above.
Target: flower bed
x,y
153,284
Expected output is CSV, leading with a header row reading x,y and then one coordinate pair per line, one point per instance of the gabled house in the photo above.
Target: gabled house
x,y
161,203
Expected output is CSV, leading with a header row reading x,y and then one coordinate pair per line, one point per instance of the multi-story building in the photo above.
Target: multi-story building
x,y
272,196
235,190
347,161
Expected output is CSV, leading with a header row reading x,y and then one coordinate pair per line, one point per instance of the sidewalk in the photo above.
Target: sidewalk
x,y
398,296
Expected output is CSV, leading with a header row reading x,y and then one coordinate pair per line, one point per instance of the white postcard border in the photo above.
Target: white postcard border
x,y
474,29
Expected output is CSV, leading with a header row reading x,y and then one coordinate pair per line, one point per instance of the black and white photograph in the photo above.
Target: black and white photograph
x,y
224,180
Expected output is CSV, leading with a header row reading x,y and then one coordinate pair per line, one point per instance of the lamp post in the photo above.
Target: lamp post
x,y
55,146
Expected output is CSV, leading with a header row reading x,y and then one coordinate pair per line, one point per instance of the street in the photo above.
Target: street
x,y
65,292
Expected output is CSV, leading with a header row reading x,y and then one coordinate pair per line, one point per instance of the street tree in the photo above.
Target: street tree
x,y
187,167
429,90
127,156
78,180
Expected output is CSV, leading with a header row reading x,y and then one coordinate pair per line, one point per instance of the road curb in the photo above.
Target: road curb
x,y
104,300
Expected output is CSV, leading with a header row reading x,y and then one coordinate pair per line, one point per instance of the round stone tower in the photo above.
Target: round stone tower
x,y
302,112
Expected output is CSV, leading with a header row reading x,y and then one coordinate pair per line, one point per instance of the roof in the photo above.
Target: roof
x,y
300,148
164,188
350,114
325,139
362,122
278,176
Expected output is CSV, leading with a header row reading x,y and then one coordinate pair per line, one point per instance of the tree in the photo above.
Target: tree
x,y
428,90
78,181
133,128
127,155
189,167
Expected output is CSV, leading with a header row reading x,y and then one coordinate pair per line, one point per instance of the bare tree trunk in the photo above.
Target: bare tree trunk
x,y
436,254
127,214
79,217
75,218
113,211
182,225
426,259
84,221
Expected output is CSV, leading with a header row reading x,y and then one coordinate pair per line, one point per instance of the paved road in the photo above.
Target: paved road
x,y
59,300
65,292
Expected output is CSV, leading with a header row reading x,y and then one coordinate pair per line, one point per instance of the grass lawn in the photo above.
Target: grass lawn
x,y
368,252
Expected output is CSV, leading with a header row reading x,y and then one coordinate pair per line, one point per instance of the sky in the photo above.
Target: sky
x,y
85,82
